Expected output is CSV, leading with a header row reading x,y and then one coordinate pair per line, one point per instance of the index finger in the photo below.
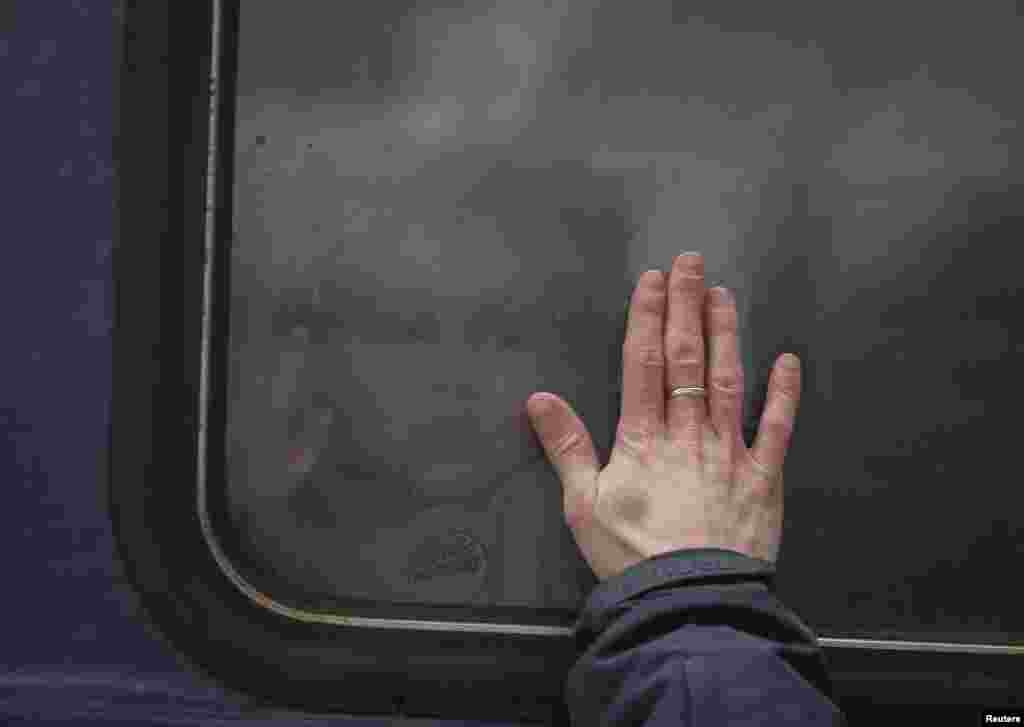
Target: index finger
x,y
643,360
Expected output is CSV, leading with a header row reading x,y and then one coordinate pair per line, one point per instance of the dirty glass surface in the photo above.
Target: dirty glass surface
x,y
438,211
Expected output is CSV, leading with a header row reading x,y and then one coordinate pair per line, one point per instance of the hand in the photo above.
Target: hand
x,y
680,475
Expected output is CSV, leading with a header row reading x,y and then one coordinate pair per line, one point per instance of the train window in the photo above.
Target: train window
x,y
396,230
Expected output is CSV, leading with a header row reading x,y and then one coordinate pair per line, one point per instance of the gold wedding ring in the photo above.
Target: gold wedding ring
x,y
694,391
697,391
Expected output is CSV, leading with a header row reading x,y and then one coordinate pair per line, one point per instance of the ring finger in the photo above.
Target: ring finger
x,y
684,348
725,372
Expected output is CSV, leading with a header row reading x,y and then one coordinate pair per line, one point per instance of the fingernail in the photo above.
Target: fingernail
x,y
654,277
790,361
541,404
722,294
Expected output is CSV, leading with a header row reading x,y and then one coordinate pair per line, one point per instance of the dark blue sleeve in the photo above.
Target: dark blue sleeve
x,y
696,638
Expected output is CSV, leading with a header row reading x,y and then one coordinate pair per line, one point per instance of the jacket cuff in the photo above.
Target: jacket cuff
x,y
676,568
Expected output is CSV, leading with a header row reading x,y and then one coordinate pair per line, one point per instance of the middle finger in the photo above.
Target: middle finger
x,y
684,346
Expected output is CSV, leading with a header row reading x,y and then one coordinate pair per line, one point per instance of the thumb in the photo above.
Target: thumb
x,y
569,449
